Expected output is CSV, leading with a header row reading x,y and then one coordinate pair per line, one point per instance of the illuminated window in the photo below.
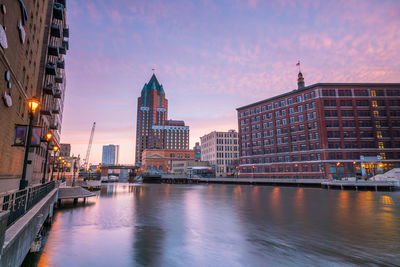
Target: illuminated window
x,y
374,103
378,124
373,93
379,134
383,155
380,145
376,113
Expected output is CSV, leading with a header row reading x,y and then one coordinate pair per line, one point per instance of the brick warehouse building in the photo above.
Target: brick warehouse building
x,y
153,129
321,131
31,31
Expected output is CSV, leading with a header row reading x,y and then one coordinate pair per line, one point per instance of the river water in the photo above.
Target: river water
x,y
225,225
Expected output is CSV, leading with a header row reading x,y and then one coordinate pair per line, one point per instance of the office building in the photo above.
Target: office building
x,y
197,151
154,130
110,155
221,149
325,130
65,150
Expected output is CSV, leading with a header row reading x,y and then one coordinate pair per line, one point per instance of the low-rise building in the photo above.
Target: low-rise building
x,y
160,160
221,149
183,166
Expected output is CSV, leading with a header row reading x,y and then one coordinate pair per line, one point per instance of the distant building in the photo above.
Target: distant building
x,y
110,155
154,130
184,166
221,149
160,160
325,130
197,151
65,150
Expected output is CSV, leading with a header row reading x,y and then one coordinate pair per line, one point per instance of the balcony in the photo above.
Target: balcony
x,y
56,110
48,89
58,11
62,2
51,68
57,94
62,50
54,126
45,111
66,32
53,51
58,79
60,64
65,44
55,31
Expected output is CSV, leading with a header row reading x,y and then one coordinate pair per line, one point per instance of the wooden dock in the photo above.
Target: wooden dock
x,y
73,193
361,185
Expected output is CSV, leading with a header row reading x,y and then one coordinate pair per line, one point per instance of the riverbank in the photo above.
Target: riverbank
x,y
317,183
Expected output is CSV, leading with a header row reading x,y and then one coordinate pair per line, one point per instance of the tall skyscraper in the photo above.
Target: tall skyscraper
x,y
154,130
110,155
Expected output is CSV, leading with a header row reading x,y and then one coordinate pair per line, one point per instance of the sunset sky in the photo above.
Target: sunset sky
x,y
212,57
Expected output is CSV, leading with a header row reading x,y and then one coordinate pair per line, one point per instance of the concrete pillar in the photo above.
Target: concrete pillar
x,y
3,227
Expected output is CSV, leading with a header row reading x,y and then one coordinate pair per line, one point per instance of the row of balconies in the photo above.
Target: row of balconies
x,y
50,90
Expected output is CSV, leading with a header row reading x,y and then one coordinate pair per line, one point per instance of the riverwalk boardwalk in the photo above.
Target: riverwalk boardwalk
x,y
352,184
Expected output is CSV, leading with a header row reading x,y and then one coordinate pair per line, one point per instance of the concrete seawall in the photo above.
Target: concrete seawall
x,y
19,236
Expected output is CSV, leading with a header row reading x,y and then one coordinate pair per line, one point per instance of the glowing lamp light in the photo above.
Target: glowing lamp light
x,y
55,148
33,105
338,163
49,135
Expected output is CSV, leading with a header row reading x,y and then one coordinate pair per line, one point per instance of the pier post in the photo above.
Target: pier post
x,y
75,200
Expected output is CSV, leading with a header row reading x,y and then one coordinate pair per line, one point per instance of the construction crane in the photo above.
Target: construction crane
x,y
86,162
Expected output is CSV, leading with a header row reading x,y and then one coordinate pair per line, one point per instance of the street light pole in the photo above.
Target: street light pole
x,y
33,104
55,148
49,135
74,166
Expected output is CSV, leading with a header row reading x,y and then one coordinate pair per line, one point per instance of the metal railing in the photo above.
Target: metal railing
x,y
19,202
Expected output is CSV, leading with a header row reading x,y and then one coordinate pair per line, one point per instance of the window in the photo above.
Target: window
x,y
344,92
301,118
346,103
291,110
299,108
328,92
361,92
290,101
284,122
330,103
298,99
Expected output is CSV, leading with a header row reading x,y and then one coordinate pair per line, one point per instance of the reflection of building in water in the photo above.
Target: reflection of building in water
x,y
148,233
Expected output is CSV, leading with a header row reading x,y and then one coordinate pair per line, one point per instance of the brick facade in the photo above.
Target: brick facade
x,y
160,160
320,131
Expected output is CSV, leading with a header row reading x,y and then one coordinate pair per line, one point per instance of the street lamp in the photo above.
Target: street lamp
x,y
49,136
75,166
253,171
55,149
33,105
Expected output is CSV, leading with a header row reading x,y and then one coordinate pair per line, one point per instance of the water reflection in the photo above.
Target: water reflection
x,y
225,225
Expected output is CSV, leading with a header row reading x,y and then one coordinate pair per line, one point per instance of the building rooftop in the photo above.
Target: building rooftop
x,y
318,85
